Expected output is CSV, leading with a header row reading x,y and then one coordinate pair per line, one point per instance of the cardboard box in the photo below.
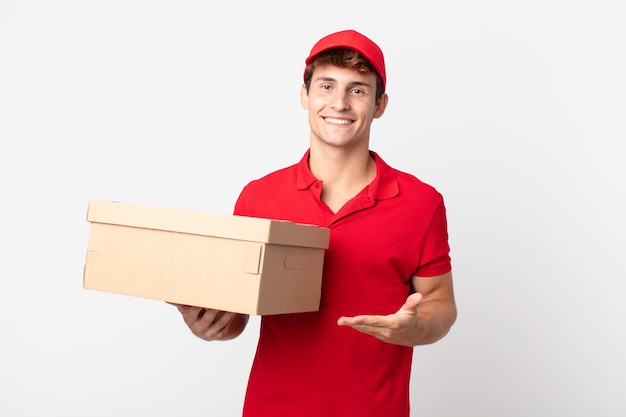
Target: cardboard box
x,y
226,262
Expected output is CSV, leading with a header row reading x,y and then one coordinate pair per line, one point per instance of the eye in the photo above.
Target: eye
x,y
358,91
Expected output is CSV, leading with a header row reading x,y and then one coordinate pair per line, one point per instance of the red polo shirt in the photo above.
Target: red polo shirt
x,y
305,364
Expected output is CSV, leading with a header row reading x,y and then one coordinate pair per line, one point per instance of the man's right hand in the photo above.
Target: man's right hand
x,y
209,324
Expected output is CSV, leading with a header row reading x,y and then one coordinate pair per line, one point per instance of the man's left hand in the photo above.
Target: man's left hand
x,y
399,328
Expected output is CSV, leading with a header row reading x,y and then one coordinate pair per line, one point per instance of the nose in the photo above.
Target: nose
x,y
340,100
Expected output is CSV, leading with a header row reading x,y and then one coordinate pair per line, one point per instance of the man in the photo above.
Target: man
x,y
387,282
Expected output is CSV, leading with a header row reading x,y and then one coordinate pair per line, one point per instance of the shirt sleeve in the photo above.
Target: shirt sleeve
x,y
242,207
435,257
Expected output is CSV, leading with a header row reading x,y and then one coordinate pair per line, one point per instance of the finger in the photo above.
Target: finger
x,y
224,320
182,308
411,303
219,321
174,304
191,314
214,318
348,321
199,320
207,316
373,328
373,321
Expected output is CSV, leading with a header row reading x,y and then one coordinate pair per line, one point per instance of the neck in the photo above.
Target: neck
x,y
333,164
344,173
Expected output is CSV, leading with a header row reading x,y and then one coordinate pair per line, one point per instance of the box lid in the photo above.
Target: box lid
x,y
254,229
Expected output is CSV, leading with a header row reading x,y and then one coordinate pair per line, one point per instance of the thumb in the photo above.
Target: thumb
x,y
411,303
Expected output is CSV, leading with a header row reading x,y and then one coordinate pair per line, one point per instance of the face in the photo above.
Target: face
x,y
341,104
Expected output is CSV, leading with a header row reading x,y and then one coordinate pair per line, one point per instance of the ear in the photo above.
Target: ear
x,y
304,97
381,105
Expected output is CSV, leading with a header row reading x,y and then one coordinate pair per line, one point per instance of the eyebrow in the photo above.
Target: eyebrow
x,y
352,83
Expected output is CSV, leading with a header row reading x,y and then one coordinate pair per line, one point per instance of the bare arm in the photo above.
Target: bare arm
x,y
426,316
210,324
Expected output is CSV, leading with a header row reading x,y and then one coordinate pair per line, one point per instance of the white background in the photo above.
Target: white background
x,y
514,110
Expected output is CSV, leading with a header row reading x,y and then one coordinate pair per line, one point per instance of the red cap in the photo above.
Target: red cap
x,y
350,39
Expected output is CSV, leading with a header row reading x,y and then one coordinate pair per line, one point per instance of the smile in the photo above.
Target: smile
x,y
337,121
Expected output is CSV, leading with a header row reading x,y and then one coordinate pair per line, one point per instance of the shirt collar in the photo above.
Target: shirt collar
x,y
305,177
384,186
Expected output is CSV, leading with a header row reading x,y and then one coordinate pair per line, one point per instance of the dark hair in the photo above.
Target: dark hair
x,y
345,58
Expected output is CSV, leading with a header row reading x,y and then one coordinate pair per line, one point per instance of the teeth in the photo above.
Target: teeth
x,y
337,121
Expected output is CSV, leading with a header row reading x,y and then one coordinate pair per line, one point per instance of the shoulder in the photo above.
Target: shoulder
x,y
271,186
410,186
269,196
414,184
280,177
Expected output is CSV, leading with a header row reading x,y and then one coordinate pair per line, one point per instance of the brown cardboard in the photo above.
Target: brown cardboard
x,y
232,263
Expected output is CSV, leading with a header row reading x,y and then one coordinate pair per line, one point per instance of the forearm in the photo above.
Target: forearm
x,y
434,320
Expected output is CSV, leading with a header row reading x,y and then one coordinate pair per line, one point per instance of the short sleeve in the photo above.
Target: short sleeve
x,y
435,256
